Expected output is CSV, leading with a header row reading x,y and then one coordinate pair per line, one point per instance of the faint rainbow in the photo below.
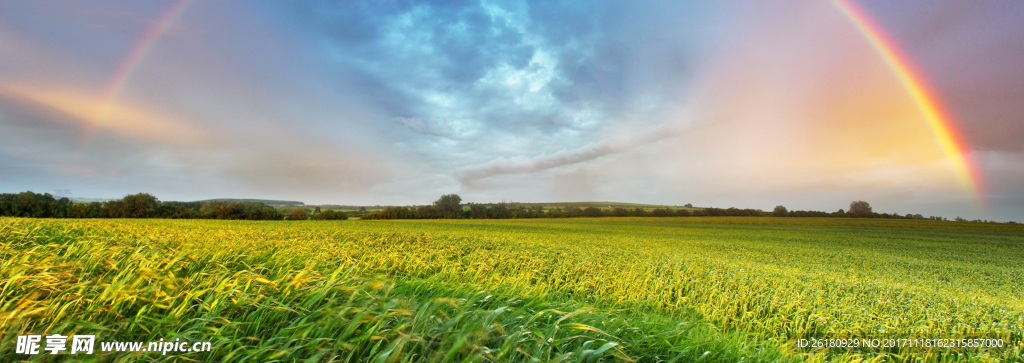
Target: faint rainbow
x,y
132,61
946,133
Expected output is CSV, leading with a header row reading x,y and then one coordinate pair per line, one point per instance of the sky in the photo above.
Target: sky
x,y
719,104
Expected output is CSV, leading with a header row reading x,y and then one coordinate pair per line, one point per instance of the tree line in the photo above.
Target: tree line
x,y
144,205
449,207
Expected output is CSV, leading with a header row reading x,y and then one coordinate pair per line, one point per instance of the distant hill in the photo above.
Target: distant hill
x,y
546,206
89,200
564,205
264,201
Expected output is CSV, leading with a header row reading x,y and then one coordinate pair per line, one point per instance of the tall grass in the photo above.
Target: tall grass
x,y
643,289
265,301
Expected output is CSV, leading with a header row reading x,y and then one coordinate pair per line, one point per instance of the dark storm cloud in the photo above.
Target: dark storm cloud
x,y
468,70
444,46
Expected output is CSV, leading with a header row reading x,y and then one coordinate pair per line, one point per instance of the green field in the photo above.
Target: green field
x,y
595,289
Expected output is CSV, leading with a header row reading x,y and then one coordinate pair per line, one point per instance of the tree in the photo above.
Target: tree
x,y
330,215
138,205
780,211
592,212
29,204
449,206
499,211
298,214
860,209
477,211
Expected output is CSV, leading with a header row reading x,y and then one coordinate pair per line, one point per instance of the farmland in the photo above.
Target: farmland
x,y
643,289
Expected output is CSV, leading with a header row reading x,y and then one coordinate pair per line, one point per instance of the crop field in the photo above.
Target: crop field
x,y
543,290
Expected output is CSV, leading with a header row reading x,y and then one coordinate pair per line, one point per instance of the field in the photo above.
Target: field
x,y
597,289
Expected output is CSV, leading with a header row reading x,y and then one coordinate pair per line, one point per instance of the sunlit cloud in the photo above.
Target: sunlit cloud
x,y
91,113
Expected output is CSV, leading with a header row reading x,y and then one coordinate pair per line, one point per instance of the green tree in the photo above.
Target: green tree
x,y
860,209
138,205
477,211
780,211
330,215
449,206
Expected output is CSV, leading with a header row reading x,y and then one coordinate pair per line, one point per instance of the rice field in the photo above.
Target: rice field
x,y
543,290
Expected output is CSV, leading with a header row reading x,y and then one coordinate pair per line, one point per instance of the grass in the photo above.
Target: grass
x,y
609,289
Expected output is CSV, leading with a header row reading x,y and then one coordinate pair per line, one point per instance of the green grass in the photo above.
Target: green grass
x,y
643,289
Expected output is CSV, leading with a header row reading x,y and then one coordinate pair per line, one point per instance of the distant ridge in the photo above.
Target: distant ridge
x,y
90,200
584,205
264,201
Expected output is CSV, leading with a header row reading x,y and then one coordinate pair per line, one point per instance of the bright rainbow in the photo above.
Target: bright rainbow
x,y
946,133
131,63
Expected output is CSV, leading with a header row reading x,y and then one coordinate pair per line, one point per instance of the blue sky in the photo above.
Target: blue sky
x,y
721,104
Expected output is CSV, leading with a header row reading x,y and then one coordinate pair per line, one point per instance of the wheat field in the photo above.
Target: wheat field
x,y
543,290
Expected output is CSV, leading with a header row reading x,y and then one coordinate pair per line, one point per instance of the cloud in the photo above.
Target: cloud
x,y
969,56
398,102
88,112
50,135
517,165
466,71
414,123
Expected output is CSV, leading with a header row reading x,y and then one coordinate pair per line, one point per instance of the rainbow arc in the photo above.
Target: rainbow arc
x,y
946,133
132,61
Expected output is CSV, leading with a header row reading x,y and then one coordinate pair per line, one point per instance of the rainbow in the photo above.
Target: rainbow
x,y
131,63
946,133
